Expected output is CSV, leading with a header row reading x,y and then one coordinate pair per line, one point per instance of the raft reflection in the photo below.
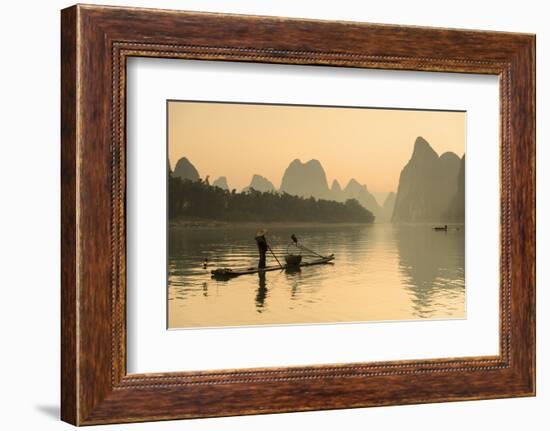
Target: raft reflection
x,y
381,272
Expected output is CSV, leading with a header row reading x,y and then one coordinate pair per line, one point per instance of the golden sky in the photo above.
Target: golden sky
x,y
370,145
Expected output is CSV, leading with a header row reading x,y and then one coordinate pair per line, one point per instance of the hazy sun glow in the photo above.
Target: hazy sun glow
x,y
370,145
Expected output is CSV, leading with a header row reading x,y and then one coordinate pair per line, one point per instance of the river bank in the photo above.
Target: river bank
x,y
180,223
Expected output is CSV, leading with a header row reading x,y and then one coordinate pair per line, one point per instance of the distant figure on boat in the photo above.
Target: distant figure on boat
x,y
444,228
262,246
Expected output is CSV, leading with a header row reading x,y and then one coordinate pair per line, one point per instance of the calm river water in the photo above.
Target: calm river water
x,y
381,272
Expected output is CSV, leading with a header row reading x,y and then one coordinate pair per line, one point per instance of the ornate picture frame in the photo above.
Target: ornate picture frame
x,y
96,41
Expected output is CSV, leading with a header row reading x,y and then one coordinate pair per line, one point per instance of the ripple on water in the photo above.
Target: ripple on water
x,y
381,272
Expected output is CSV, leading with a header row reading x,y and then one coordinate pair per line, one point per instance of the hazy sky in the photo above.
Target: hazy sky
x,y
370,145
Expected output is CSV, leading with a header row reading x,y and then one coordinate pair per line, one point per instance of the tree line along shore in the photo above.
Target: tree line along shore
x,y
431,189
199,200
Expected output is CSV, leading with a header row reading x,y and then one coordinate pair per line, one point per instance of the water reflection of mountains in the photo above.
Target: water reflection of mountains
x,y
428,267
424,262
430,264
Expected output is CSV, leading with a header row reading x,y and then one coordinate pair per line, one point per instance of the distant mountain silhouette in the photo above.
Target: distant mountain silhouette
x,y
309,179
427,185
305,180
456,208
354,190
260,184
221,182
336,191
387,208
185,170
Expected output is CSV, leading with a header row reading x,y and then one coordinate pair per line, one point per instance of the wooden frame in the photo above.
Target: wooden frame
x,y
96,41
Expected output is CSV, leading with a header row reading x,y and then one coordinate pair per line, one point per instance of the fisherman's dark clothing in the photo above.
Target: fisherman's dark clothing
x,y
262,249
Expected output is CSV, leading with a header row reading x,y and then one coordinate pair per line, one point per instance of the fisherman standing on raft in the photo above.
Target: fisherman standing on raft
x,y
262,246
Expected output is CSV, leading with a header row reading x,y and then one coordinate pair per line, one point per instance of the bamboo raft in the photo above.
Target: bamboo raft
x,y
235,272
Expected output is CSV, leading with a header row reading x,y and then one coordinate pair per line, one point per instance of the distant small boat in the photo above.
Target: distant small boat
x,y
443,228
235,272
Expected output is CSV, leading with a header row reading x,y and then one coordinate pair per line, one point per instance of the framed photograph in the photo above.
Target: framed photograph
x,y
264,215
